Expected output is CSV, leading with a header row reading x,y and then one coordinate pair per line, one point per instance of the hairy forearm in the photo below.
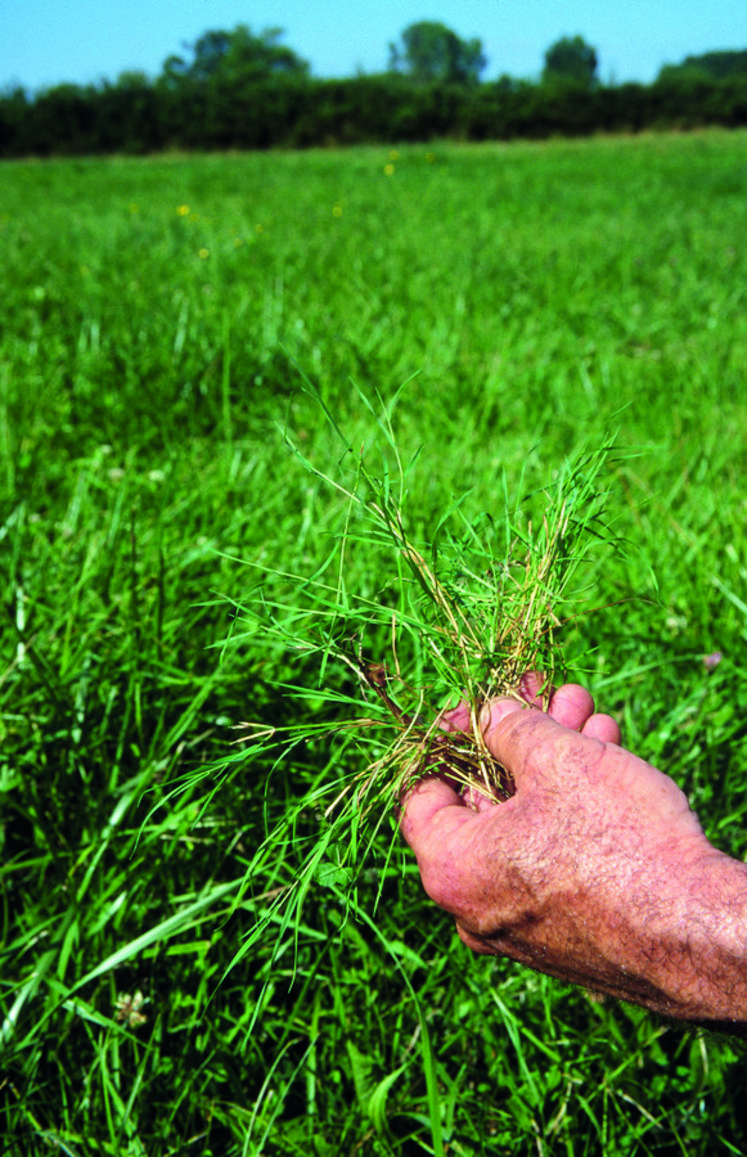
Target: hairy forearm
x,y
705,977
668,931
677,942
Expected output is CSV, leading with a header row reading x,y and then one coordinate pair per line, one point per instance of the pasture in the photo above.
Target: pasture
x,y
163,323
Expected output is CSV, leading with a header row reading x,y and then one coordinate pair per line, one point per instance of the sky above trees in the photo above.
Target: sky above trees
x,y
44,42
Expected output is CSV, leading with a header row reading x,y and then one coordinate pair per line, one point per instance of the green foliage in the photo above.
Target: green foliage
x,y
159,318
570,60
716,65
232,58
461,617
429,53
241,90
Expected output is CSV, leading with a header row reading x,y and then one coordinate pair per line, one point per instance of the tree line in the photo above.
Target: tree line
x,y
241,90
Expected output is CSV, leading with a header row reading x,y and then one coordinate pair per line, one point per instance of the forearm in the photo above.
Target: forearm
x,y
667,931
702,967
677,940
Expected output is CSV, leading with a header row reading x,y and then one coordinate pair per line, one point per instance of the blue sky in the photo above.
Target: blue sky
x,y
44,42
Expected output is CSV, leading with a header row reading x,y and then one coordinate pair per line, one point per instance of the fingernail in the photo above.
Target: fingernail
x,y
497,709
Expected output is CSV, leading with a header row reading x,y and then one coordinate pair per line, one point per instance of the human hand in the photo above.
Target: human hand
x,y
596,871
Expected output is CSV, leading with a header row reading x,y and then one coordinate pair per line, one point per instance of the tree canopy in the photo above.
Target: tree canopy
x,y
239,55
429,52
244,90
570,59
716,65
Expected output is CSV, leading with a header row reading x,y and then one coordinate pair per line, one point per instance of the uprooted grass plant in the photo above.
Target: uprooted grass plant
x,y
470,606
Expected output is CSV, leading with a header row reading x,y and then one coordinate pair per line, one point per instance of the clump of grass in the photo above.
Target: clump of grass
x,y
486,612
471,606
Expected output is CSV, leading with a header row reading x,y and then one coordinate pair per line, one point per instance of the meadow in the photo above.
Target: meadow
x,y
169,327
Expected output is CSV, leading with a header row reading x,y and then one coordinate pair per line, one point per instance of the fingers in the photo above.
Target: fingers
x,y
457,719
517,735
531,744
571,706
602,727
532,685
420,807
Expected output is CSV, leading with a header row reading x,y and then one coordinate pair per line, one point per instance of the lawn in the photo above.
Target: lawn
x,y
175,333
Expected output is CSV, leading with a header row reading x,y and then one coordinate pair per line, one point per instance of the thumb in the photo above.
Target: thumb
x,y
523,739
432,809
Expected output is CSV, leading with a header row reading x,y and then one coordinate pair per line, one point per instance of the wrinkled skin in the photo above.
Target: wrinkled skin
x,y
596,871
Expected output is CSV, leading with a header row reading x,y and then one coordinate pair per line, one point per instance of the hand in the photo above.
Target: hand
x,y
596,871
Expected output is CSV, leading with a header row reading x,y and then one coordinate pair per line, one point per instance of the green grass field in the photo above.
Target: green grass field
x,y
161,320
